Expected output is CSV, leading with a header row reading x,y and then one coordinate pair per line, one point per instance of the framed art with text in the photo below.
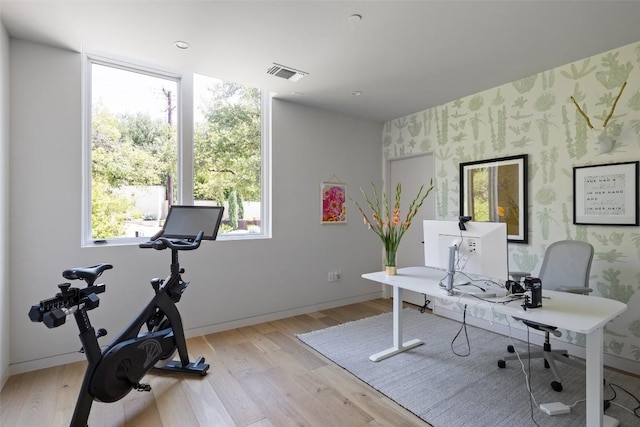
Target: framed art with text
x,y
606,194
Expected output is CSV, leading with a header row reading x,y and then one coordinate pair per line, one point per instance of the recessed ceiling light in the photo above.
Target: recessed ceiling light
x,y
182,44
355,18
356,93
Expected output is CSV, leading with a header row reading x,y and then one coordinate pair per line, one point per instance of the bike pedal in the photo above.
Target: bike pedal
x,y
142,387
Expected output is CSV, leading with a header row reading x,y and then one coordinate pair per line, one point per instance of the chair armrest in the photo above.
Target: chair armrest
x,y
552,330
541,327
575,289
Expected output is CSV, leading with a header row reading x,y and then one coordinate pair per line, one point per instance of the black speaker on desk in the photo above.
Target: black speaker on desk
x,y
534,286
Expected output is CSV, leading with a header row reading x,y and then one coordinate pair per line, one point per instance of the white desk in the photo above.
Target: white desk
x,y
578,313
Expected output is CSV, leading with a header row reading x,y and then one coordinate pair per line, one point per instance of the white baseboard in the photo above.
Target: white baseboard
x,y
537,338
47,362
269,317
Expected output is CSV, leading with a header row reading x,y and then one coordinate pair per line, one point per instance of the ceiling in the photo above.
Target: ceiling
x,y
402,56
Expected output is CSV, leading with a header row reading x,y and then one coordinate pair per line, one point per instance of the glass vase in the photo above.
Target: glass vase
x,y
390,262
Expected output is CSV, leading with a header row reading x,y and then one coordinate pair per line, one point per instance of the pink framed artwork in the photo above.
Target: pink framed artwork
x,y
333,202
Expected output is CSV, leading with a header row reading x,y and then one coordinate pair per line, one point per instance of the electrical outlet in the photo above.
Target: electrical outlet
x,y
473,246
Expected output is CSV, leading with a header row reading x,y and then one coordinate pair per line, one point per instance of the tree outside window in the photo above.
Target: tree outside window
x,y
134,151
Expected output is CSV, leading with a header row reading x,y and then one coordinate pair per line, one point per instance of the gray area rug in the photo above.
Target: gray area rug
x,y
449,390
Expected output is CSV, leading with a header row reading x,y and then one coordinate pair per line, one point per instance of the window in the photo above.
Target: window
x,y
227,152
154,139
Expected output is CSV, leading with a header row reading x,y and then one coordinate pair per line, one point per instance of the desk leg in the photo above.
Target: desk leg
x,y
398,345
594,375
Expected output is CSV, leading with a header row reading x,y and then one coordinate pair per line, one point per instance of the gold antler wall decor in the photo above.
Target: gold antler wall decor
x,y
603,141
613,107
586,118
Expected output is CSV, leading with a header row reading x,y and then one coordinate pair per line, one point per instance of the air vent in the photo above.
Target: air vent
x,y
286,73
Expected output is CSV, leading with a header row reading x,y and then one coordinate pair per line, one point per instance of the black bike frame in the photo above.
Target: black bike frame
x,y
162,301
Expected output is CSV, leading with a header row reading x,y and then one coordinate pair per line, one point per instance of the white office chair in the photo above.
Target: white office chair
x,y
566,268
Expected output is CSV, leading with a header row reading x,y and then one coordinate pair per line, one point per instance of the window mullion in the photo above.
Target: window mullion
x,y
185,140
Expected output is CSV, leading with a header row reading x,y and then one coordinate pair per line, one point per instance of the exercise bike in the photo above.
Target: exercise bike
x,y
150,339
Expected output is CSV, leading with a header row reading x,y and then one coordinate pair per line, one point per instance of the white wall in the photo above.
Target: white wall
x,y
4,199
232,282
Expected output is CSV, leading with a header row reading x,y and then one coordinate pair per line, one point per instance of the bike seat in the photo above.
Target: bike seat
x,y
88,274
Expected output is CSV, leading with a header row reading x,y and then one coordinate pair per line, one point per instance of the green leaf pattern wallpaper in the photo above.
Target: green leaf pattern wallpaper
x,y
535,116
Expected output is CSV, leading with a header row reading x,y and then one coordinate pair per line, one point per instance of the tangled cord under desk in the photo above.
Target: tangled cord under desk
x,y
609,402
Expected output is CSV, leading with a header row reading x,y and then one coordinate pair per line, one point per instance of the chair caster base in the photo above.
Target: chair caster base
x,y
556,386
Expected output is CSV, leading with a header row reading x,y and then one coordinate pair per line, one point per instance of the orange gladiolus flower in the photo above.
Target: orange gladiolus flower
x,y
387,223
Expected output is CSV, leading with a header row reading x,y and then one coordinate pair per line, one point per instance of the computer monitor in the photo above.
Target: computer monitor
x,y
466,249
185,222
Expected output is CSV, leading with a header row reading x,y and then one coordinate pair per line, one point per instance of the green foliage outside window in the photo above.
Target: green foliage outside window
x,y
233,209
136,150
108,211
126,150
227,144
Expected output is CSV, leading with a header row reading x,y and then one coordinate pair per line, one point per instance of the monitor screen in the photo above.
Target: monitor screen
x,y
480,250
185,222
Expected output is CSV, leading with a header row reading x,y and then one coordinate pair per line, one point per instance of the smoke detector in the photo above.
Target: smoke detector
x,y
285,72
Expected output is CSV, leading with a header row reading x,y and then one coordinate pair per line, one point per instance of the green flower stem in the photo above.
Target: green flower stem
x,y
390,258
386,222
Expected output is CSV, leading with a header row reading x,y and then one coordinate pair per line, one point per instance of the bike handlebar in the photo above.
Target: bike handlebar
x,y
160,243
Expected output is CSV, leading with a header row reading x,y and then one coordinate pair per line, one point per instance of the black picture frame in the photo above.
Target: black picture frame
x,y
606,194
496,190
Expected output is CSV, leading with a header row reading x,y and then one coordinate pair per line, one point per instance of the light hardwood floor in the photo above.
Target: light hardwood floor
x,y
260,376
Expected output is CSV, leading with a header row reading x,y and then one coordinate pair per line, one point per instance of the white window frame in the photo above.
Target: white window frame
x,y
185,148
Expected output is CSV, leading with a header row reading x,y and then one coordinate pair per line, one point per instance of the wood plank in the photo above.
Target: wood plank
x,y
202,397
70,382
170,401
277,407
258,338
259,376
238,403
262,423
39,402
331,400
12,397
378,406
142,411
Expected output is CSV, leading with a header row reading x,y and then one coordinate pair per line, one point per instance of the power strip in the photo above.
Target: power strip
x,y
558,408
608,421
555,408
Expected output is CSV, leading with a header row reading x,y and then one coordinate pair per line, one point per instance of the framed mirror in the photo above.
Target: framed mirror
x,y
496,191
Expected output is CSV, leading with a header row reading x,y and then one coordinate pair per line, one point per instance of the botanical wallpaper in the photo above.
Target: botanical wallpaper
x,y
535,116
